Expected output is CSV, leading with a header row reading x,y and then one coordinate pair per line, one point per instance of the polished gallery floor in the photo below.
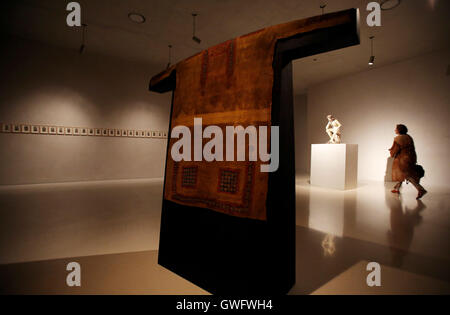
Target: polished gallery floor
x,y
112,229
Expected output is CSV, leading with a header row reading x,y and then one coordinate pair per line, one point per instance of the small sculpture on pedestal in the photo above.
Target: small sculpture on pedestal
x,y
333,130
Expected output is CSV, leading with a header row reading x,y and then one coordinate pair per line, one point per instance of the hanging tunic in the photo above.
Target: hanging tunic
x,y
230,84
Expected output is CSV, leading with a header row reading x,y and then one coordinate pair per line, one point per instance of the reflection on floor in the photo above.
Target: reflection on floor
x,y
321,258
372,213
50,221
118,222
393,281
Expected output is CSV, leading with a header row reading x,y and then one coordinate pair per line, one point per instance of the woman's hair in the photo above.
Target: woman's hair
x,y
402,129
330,117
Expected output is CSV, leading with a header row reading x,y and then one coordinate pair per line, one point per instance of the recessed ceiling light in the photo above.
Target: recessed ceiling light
x,y
136,18
389,4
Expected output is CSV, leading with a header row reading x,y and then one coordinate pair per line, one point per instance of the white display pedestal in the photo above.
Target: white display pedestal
x,y
334,166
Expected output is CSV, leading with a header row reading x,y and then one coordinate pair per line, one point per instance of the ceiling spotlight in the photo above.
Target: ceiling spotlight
x,y
170,57
83,38
372,57
389,4
195,38
323,6
136,18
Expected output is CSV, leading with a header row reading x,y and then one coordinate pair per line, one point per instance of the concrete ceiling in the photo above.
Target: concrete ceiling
x,y
414,28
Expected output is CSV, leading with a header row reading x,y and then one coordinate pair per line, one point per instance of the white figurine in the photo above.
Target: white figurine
x,y
333,130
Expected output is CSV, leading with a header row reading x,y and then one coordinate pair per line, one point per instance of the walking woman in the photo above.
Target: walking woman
x,y
405,162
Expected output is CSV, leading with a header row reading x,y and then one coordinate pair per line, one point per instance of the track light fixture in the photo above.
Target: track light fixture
x,y
170,56
195,38
372,57
323,6
83,38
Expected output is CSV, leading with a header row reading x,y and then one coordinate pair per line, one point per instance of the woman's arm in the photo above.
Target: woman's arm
x,y
395,149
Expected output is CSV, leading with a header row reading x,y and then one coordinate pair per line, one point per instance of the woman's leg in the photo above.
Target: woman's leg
x,y
396,189
419,187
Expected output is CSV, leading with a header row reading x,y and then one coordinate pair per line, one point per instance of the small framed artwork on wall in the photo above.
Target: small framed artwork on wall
x,y
164,134
76,131
35,129
148,134
105,132
142,134
91,132
112,132
153,134
43,130
137,133
16,128
118,132
68,131
25,128
84,131
124,133
130,133
6,128
98,132
52,130
159,134
60,130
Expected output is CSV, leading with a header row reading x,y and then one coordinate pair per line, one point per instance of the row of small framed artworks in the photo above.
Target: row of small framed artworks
x,y
80,131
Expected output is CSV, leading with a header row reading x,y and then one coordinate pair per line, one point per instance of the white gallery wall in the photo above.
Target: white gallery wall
x,y
47,85
301,134
414,92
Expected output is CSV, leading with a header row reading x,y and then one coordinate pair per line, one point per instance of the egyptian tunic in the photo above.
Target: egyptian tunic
x,y
230,84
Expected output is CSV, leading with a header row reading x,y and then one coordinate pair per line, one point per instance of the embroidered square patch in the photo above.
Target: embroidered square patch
x,y
228,181
189,176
